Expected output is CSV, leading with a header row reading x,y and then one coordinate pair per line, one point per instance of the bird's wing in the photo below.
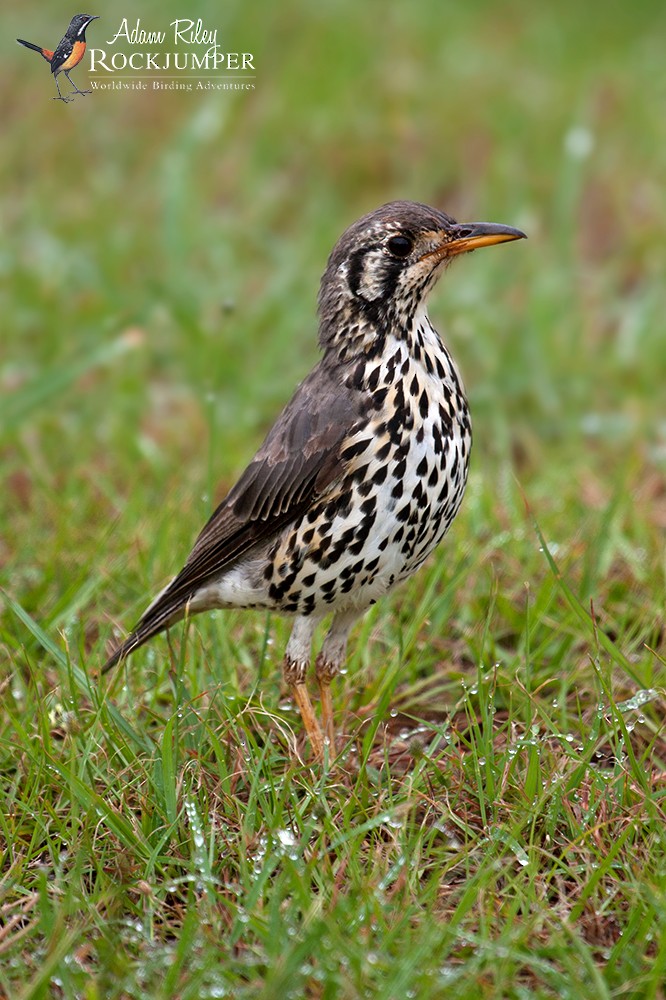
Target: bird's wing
x,y
299,459
302,455
62,51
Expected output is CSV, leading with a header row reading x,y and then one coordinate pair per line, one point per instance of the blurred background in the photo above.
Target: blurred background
x,y
161,254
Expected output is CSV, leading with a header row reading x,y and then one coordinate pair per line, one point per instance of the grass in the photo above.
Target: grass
x,y
495,825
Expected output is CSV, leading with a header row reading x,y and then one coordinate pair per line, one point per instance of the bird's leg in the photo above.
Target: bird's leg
x,y
330,661
325,674
296,663
65,100
76,89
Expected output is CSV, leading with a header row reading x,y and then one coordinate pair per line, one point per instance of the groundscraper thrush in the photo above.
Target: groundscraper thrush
x,y
365,468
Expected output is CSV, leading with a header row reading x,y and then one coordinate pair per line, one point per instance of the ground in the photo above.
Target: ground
x,y
495,824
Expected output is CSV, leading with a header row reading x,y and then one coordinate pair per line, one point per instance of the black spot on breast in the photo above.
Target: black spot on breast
x,y
309,604
362,533
354,449
399,468
424,404
379,397
445,418
344,503
347,536
394,427
358,375
403,513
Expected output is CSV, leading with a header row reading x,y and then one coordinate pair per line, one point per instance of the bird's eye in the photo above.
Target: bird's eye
x,y
400,246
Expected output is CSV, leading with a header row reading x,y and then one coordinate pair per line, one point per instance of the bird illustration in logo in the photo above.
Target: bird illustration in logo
x,y
67,54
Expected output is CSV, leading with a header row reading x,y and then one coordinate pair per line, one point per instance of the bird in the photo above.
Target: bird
x,y
364,469
68,52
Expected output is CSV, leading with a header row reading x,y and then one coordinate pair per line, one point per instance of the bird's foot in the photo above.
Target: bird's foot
x,y
302,699
65,100
326,671
294,670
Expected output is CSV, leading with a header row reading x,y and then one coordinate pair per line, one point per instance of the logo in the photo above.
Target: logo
x,y
185,56
67,54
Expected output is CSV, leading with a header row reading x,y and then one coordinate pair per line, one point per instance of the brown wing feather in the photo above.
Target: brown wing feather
x,y
299,459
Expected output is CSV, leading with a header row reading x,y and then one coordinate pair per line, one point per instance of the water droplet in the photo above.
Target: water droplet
x,y
639,699
286,838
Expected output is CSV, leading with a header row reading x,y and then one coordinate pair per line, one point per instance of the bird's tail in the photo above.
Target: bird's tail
x,y
159,616
46,53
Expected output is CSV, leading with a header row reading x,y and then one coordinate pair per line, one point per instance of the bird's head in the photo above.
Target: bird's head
x,y
79,23
382,266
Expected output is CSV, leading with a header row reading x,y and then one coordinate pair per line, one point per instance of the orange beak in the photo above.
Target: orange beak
x,y
464,237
